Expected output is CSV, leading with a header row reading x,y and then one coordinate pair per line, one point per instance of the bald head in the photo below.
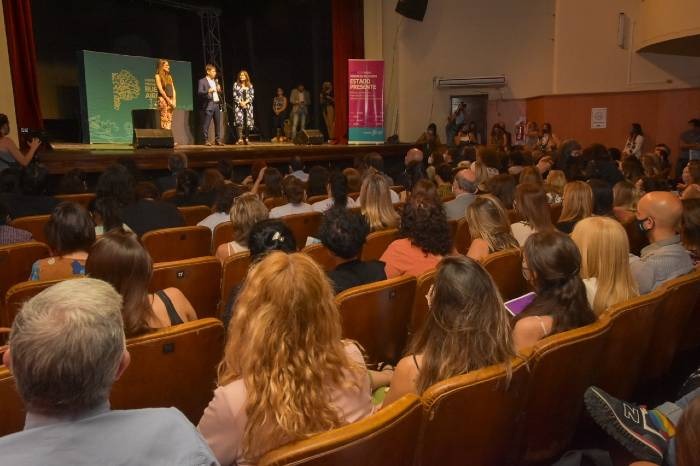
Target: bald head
x,y
465,181
663,207
413,155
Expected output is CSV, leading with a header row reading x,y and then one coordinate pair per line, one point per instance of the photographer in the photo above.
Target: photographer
x,y
10,154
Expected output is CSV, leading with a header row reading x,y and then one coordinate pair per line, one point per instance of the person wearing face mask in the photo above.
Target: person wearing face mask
x,y
658,214
464,188
10,155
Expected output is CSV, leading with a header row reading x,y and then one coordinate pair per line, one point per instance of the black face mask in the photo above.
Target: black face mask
x,y
640,225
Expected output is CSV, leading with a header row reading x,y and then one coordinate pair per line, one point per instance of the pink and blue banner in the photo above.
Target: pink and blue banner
x,y
365,101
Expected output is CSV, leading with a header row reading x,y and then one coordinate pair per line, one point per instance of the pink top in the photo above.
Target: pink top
x,y
403,258
224,420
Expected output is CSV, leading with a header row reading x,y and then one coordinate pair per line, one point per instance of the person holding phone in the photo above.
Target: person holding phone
x,y
10,155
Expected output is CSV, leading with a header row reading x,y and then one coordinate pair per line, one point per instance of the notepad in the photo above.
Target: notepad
x,y
518,305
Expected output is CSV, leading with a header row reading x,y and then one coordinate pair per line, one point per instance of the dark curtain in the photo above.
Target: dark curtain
x,y
348,42
20,44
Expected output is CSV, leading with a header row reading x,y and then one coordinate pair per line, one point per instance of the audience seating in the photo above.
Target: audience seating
x,y
555,211
16,262
33,224
317,198
420,301
321,255
168,194
172,244
637,239
194,214
173,366
83,199
199,280
376,243
632,326
272,202
18,295
11,407
235,269
673,315
475,418
377,316
303,226
388,437
453,229
462,238
505,267
223,233
562,367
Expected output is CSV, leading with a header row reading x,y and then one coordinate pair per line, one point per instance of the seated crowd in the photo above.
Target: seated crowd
x,y
570,213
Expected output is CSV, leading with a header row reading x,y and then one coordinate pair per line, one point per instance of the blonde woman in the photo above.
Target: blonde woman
x,y
489,227
286,374
554,186
376,205
625,198
246,210
167,97
577,204
604,262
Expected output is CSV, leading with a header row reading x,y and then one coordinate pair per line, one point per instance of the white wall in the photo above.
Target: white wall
x,y
7,101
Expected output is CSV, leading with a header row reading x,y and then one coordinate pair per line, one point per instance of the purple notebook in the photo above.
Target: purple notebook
x,y
518,305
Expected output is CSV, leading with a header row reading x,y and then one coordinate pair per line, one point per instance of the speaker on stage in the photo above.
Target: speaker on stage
x,y
308,137
414,9
153,138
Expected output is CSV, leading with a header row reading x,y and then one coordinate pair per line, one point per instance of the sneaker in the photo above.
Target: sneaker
x,y
628,424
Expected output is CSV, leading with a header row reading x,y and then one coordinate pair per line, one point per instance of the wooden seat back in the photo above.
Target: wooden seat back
x,y
317,198
303,226
505,267
223,233
34,224
199,280
16,262
235,269
462,239
376,243
272,202
173,244
84,199
321,255
192,215
12,410
420,311
18,295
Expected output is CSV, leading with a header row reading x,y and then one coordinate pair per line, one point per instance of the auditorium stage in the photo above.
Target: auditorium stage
x,y
93,158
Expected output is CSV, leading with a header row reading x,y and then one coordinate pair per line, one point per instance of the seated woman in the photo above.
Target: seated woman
x,y
424,238
187,191
625,198
222,206
531,203
10,155
272,178
337,190
503,187
605,267
577,204
119,259
259,404
551,263
293,190
489,227
376,205
554,186
467,329
246,210
318,180
70,233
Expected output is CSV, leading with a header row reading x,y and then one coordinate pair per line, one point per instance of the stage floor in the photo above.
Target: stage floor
x,y
95,157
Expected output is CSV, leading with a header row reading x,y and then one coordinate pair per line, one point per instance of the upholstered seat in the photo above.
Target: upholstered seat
x,y
172,244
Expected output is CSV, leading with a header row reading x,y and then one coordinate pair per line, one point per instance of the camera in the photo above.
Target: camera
x,y
27,134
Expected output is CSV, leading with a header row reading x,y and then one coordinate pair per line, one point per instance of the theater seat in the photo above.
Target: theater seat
x,y
377,316
562,367
420,303
84,199
168,194
192,215
303,226
321,255
11,407
631,333
505,267
33,224
555,211
16,263
272,202
475,418
234,271
462,239
318,198
18,295
199,280
174,366
172,244
223,233
388,437
376,243
637,239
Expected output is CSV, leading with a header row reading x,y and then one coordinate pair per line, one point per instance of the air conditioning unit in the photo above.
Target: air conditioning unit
x,y
480,81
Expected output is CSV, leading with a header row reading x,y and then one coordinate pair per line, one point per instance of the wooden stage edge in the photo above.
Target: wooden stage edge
x,y
93,158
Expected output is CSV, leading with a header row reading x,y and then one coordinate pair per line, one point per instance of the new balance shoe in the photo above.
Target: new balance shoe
x,y
628,424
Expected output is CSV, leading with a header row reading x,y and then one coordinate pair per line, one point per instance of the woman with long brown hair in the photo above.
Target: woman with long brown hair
x,y
306,382
119,259
467,329
167,97
531,203
243,96
577,204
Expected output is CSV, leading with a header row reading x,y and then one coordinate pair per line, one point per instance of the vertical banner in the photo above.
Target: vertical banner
x,y
365,101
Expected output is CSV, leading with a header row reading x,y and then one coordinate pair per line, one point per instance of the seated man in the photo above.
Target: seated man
x,y
464,188
658,215
66,349
344,232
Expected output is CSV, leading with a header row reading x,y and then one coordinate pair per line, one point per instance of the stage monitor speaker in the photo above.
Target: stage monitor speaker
x,y
308,137
153,138
414,9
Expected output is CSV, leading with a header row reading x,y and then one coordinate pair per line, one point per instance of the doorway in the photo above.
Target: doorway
x,y
469,108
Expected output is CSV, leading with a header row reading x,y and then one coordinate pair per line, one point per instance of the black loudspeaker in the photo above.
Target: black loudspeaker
x,y
414,9
309,137
153,138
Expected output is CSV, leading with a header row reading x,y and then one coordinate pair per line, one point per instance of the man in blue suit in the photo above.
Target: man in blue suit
x,y
210,99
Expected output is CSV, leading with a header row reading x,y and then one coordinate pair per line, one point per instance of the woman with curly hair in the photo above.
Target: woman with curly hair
x,y
424,237
309,381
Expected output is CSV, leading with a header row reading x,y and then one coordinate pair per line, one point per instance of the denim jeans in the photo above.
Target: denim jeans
x,y
296,117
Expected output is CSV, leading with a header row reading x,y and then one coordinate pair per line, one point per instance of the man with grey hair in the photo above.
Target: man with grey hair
x,y
67,348
464,188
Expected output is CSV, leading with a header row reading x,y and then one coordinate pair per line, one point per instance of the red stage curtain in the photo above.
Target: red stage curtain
x,y
20,44
348,42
